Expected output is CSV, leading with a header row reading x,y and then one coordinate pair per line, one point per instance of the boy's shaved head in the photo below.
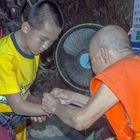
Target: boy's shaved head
x,y
45,11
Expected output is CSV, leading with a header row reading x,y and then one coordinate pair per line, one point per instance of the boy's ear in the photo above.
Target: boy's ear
x,y
25,27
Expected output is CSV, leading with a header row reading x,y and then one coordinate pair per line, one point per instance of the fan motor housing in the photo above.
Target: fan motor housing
x,y
72,56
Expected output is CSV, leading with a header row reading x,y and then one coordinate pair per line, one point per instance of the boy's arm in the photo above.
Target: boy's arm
x,y
23,107
31,98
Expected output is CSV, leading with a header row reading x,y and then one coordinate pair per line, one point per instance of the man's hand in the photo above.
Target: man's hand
x,y
69,97
49,103
65,96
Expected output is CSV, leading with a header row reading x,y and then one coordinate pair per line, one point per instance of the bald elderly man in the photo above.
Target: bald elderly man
x,y
115,89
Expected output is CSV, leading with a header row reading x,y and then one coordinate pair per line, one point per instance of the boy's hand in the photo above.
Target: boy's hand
x,y
39,119
49,103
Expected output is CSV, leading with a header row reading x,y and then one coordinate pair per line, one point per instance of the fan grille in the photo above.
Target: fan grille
x,y
72,58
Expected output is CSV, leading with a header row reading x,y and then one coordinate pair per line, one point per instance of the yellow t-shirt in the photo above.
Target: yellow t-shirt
x,y
17,70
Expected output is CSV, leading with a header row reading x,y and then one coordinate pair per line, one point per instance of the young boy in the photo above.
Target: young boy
x,y
19,58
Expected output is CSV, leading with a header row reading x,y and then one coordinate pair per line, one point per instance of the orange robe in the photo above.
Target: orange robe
x,y
124,81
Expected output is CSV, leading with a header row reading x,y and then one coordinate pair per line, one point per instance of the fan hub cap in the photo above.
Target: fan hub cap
x,y
85,61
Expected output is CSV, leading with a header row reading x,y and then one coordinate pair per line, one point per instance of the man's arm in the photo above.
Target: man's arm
x,y
82,118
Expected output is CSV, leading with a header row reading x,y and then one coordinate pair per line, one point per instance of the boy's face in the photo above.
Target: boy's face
x,y
38,41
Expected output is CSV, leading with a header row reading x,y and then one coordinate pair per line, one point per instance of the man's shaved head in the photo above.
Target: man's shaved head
x,y
114,38
107,46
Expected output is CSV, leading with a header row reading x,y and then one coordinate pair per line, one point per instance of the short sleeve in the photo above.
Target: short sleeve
x,y
8,76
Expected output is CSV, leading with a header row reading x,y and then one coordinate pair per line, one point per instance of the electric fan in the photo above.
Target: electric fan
x,y
72,57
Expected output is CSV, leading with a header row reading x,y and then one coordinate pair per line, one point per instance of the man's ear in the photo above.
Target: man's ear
x,y
104,54
25,27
